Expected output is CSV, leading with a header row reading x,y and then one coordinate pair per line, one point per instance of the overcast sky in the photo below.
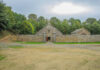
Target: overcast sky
x,y
81,9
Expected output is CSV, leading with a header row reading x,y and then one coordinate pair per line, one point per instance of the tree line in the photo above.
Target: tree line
x,y
19,24
68,26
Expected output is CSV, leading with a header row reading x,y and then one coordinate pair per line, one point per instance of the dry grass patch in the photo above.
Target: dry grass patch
x,y
50,59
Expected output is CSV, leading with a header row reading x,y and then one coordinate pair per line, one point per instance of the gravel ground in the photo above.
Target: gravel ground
x,y
52,45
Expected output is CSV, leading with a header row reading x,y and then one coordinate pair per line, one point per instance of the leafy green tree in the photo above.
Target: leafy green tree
x,y
90,20
41,22
10,18
65,27
33,17
27,28
94,28
99,21
72,21
16,28
14,20
19,18
35,24
54,21
3,19
75,24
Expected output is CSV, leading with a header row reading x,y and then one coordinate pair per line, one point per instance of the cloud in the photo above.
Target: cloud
x,y
68,8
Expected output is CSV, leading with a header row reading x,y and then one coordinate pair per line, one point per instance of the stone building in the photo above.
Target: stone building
x,y
81,31
49,32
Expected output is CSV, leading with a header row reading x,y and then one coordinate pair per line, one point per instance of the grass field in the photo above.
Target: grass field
x,y
59,42
49,58
76,42
30,42
2,57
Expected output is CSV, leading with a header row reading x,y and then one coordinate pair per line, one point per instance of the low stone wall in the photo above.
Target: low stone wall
x,y
62,38
30,38
78,38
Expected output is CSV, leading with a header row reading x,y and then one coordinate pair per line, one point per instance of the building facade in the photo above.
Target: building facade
x,y
49,33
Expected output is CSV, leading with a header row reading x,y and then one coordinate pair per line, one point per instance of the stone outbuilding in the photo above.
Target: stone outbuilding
x,y
49,32
81,31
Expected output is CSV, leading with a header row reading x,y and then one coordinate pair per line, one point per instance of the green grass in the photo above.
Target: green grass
x,y
76,42
16,47
30,42
2,57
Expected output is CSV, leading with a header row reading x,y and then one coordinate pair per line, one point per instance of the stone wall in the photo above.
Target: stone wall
x,y
78,38
58,38
30,38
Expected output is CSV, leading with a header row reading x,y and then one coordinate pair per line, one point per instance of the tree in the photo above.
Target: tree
x,y
28,28
65,27
90,20
75,24
19,17
3,19
10,18
41,22
55,22
33,17
94,28
17,26
71,20
99,21
35,24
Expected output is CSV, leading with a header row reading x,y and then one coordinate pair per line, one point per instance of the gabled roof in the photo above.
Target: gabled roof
x,y
50,28
81,31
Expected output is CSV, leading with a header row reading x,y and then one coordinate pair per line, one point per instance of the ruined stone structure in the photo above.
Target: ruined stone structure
x,y
50,33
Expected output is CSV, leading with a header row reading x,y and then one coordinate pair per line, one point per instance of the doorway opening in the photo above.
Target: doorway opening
x,y
48,38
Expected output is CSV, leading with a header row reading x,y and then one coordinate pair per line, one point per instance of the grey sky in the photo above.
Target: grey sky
x,y
43,7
